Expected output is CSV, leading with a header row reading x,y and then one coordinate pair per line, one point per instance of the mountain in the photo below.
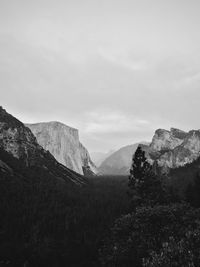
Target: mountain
x,y
173,149
18,140
63,143
99,157
119,162
40,201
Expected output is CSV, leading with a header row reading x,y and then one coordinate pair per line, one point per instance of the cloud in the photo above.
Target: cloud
x,y
105,121
114,70
123,58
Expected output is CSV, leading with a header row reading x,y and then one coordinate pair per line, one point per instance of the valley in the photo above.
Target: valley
x,y
54,216
99,133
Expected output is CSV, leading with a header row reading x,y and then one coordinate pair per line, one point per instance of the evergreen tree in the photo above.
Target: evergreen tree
x,y
146,187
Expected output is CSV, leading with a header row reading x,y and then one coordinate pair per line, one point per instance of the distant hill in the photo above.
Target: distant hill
x,y
99,157
119,162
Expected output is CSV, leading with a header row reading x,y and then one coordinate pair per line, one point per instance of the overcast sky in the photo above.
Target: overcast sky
x,y
114,69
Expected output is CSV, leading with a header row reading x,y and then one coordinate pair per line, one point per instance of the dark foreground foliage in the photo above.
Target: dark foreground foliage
x,y
161,231
48,222
184,253
135,236
44,222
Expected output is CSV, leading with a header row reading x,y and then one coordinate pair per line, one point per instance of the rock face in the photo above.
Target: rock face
x,y
119,162
63,143
19,141
89,168
174,148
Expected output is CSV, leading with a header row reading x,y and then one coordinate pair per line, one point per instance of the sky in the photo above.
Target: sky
x,y
115,69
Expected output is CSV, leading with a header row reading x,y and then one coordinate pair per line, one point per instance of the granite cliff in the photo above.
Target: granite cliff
x,y
19,142
173,149
63,143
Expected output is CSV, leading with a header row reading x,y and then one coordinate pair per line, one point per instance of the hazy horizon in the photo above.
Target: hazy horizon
x,y
115,70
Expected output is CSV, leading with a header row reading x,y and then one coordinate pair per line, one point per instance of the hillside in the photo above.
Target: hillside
x,y
18,140
119,162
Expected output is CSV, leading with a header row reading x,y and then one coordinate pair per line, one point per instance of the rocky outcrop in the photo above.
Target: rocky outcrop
x,y
63,143
165,140
174,148
16,139
19,141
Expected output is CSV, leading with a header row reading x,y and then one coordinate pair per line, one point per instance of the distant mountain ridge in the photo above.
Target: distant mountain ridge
x,y
174,148
63,143
119,162
99,157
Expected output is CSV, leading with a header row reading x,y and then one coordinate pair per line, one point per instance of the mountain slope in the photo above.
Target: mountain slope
x,y
119,162
63,143
99,157
37,204
18,140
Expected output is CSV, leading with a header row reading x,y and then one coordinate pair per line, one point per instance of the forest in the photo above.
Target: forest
x,y
120,221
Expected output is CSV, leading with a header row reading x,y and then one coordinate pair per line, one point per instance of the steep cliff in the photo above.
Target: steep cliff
x,y
63,143
88,166
174,148
19,141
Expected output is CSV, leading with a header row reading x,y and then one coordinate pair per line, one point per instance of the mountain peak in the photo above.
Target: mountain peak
x,y
178,133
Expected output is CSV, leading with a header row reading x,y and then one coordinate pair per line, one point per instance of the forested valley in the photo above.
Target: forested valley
x,y
140,220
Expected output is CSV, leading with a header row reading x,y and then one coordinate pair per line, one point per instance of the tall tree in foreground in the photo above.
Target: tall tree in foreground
x,y
145,186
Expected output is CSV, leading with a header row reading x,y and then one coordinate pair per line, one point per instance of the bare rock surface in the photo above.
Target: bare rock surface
x,y
18,140
174,148
63,143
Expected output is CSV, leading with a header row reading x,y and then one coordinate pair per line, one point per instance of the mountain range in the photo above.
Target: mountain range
x,y
56,147
169,149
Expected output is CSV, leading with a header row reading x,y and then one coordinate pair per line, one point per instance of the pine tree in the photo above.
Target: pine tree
x,y
146,187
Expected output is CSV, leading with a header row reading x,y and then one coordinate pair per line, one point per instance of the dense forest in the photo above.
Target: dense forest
x,y
45,223
110,221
